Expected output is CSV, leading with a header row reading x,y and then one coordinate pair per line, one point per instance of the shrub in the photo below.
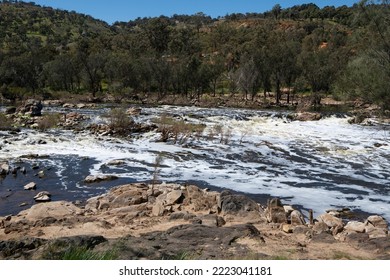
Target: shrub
x,y
120,121
178,130
49,121
5,122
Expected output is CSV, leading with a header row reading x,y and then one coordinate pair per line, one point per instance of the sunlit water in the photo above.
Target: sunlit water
x,y
316,165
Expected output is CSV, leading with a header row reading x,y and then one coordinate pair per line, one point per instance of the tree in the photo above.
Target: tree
x,y
247,77
367,76
158,32
276,11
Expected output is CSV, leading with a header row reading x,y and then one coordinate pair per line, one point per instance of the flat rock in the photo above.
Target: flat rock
x,y
355,226
99,178
197,241
30,186
57,209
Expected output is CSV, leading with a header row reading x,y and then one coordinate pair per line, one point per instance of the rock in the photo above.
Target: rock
x,y
10,110
57,209
212,220
200,200
375,232
199,241
378,222
323,237
99,178
307,116
41,174
4,168
297,218
275,212
287,228
320,227
14,249
31,107
115,162
288,209
330,220
354,226
237,204
158,209
356,238
128,198
30,186
133,111
173,197
43,197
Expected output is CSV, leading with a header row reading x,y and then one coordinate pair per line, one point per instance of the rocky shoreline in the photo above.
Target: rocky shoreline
x,y
171,221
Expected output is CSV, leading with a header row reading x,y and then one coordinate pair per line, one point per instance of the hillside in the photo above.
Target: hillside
x,y
302,51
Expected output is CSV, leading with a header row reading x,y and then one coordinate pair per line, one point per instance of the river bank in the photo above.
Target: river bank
x,y
169,221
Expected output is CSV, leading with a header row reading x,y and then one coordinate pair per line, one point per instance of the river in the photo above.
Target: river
x,y
315,165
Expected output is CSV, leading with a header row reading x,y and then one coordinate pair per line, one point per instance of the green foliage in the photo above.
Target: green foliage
x,y
298,48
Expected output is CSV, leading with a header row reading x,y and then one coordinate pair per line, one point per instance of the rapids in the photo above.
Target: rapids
x,y
315,165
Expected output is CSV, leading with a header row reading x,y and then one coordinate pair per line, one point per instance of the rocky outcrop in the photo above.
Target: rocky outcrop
x,y
30,107
160,221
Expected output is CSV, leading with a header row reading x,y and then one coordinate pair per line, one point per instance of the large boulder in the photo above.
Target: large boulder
x,y
236,204
297,218
58,210
354,226
330,220
31,107
378,222
307,116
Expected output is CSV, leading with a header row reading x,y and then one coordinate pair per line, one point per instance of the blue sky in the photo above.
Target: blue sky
x,y
125,10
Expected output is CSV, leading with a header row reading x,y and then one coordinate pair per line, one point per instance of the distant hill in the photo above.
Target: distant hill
x,y
298,50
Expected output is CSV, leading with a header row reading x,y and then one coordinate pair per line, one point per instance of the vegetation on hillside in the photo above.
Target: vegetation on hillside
x,y
344,51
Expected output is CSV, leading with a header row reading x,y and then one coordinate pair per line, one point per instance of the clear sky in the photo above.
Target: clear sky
x,y
125,10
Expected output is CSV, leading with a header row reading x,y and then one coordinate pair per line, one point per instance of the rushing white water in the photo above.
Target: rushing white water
x,y
319,165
